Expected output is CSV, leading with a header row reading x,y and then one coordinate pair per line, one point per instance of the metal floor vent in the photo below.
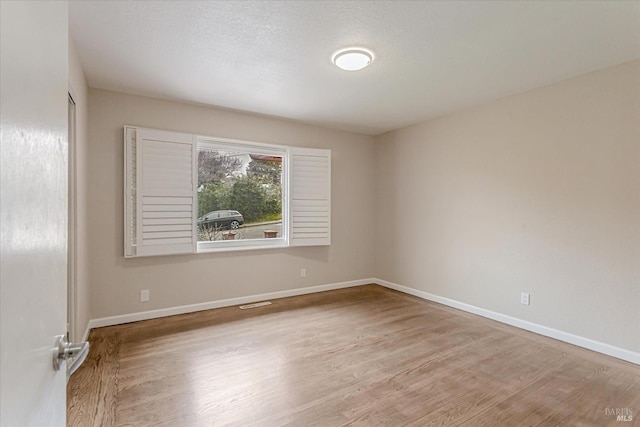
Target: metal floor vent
x,y
254,305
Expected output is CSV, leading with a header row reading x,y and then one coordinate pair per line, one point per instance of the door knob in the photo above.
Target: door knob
x,y
74,353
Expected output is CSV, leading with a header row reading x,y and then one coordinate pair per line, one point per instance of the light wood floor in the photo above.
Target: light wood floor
x,y
361,356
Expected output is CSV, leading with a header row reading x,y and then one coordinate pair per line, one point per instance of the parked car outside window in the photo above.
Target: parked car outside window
x,y
229,219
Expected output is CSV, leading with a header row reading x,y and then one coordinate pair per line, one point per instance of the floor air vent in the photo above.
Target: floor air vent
x,y
254,305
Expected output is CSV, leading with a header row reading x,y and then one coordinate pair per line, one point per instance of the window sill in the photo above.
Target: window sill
x,y
232,246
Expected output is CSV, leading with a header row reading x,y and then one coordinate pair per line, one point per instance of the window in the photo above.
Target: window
x,y
186,193
240,194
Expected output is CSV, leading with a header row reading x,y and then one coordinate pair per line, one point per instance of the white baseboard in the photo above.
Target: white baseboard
x,y
610,350
182,309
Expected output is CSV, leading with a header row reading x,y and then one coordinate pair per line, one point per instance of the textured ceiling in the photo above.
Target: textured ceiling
x,y
274,57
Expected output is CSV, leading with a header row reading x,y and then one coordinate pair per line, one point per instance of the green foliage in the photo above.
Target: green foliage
x,y
257,195
274,198
214,196
250,198
269,174
276,216
266,172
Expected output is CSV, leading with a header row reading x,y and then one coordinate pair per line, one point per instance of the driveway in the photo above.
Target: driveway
x,y
257,231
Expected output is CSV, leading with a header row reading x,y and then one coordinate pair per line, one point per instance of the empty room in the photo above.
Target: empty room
x,y
320,213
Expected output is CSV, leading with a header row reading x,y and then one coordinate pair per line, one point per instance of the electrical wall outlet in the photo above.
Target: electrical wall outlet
x,y
144,295
524,298
303,272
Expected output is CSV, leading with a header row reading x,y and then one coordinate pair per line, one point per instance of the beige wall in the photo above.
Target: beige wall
x,y
80,92
539,192
187,279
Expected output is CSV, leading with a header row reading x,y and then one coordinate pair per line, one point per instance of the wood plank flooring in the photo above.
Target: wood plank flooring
x,y
365,356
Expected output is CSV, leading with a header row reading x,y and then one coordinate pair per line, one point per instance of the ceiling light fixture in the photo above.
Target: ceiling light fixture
x,y
352,59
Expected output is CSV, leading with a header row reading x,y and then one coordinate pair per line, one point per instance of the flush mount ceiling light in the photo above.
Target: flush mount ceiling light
x,y
353,58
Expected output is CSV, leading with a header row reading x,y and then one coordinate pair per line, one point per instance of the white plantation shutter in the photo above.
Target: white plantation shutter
x,y
130,192
161,197
162,203
310,209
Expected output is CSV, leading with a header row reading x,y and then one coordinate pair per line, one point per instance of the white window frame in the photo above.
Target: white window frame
x,y
306,189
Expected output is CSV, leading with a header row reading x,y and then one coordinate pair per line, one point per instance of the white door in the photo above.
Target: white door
x,y
33,210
